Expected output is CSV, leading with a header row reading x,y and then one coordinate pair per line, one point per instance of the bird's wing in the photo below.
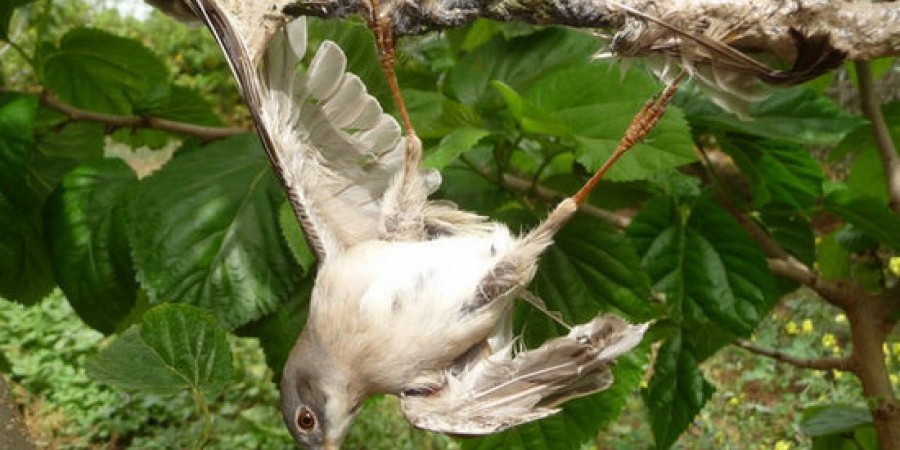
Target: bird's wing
x,y
501,391
329,141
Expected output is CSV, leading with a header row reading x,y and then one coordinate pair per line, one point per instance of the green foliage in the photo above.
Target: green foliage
x,y
207,244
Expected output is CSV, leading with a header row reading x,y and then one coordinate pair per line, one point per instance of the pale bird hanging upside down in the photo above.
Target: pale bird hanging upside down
x,y
412,297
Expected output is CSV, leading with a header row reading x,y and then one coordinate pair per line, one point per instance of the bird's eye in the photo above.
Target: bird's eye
x,y
306,420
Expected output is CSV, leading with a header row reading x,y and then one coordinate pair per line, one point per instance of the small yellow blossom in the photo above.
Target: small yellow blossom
x,y
894,265
838,374
783,445
807,326
829,341
734,401
644,384
840,318
791,328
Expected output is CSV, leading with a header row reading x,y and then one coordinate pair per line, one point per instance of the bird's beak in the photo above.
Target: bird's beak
x,y
332,445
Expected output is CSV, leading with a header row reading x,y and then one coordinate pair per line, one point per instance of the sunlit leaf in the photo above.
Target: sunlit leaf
x,y
865,212
204,230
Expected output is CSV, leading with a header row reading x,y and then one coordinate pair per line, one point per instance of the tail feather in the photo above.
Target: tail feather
x,y
504,390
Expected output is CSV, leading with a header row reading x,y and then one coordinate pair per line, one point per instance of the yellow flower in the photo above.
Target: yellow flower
x,y
838,374
791,328
894,265
783,445
840,318
807,326
734,401
829,341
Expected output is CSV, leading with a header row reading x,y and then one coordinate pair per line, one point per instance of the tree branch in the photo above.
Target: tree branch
x,y
204,133
814,363
861,30
871,108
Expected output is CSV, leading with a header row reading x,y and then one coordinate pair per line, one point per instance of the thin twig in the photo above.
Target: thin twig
x,y
803,363
871,108
72,113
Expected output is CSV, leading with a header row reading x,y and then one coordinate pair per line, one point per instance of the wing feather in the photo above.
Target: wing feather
x,y
330,142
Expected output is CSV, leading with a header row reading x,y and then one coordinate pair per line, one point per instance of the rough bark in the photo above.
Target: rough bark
x,y
13,435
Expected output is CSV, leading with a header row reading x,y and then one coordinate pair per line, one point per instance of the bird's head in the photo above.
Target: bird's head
x,y
318,405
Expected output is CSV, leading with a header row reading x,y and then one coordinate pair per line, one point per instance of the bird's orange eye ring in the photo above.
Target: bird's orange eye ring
x,y
306,420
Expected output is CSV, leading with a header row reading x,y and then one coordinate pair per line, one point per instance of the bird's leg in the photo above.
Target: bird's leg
x,y
403,203
519,265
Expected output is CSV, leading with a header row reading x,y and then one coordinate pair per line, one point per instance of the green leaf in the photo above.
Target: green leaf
x,y
278,331
25,272
452,145
6,12
516,62
77,141
865,212
177,103
129,363
676,392
797,115
295,239
204,230
781,175
832,419
598,117
793,233
529,117
176,347
592,268
832,259
190,343
95,70
866,170
88,243
711,272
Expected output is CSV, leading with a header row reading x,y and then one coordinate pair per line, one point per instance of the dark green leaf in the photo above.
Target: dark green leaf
x,y
99,71
278,331
78,141
794,234
204,230
710,271
592,268
796,115
676,392
867,213
516,62
854,240
177,103
190,343
781,175
88,244
866,171
6,12
25,272
452,145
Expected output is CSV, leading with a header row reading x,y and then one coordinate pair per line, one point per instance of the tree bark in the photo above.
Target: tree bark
x,y
13,435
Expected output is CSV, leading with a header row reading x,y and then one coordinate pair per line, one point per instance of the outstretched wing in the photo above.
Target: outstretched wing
x,y
328,140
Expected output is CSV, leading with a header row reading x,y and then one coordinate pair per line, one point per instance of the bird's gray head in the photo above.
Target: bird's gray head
x,y
317,404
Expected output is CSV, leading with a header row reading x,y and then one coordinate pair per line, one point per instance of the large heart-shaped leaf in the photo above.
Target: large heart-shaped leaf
x,y
88,245
204,230
100,71
176,347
